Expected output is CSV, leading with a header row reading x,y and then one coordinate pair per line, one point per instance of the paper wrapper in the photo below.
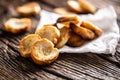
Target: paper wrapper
x,y
104,18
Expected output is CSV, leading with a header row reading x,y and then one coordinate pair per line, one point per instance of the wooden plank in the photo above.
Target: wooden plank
x,y
14,67
68,66
12,51
80,65
75,67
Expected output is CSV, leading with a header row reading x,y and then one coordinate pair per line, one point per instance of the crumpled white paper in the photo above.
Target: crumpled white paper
x,y
105,18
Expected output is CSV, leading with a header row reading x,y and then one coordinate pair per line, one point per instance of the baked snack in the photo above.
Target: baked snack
x,y
92,27
87,7
15,25
69,18
26,44
43,52
50,32
62,11
75,40
27,9
64,37
64,21
75,6
83,32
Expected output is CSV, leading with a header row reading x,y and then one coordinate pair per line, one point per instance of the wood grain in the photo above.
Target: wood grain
x,y
85,66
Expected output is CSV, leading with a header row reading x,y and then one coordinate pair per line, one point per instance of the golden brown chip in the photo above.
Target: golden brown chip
x,y
65,21
83,32
43,52
63,24
75,6
92,27
69,18
62,11
64,37
75,40
15,25
26,44
86,6
31,8
49,32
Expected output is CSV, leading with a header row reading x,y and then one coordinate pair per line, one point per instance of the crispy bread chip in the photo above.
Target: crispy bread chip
x,y
83,32
43,52
75,6
65,21
69,18
75,40
92,27
86,6
31,8
62,11
63,24
64,37
26,44
15,25
49,32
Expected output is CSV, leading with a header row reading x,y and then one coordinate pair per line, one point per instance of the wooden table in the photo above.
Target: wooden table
x,y
85,66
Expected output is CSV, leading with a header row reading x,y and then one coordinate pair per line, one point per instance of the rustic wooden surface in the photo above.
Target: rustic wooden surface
x,y
85,66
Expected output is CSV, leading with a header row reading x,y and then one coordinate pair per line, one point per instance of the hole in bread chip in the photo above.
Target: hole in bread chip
x,y
75,6
62,11
75,40
92,27
31,8
50,32
83,32
26,44
86,6
43,52
15,25
64,36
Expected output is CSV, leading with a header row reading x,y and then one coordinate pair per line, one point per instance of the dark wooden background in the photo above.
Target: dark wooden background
x,y
85,66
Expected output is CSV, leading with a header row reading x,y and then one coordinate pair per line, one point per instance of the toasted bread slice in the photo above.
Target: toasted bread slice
x,y
49,32
75,6
15,25
27,9
65,21
62,11
83,32
63,24
69,18
43,52
75,40
26,44
64,37
92,27
86,6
